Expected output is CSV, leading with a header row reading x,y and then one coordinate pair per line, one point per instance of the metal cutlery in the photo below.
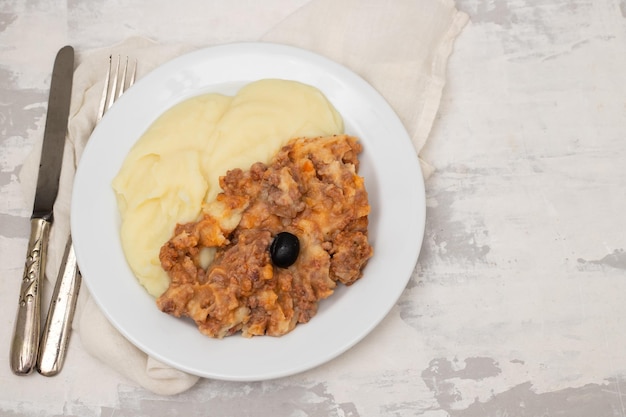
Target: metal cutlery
x,y
58,325
25,341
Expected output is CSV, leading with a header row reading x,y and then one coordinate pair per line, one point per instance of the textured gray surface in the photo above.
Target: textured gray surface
x,y
516,305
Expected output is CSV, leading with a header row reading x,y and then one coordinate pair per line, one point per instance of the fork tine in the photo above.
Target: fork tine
x,y
124,85
123,81
133,74
115,84
105,90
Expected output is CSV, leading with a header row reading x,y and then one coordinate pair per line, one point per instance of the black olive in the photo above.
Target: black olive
x,y
284,249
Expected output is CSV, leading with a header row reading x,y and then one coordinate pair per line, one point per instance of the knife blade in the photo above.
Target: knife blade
x,y
25,341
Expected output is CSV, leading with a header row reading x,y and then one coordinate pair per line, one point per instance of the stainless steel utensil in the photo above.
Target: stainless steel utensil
x,y
58,325
25,340
56,332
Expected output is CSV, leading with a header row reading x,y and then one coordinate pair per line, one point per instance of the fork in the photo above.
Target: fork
x,y
56,331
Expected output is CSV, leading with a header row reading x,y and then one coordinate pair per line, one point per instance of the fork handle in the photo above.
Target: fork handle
x,y
57,329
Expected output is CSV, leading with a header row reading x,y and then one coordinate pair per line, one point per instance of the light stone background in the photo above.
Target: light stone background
x,y
516,305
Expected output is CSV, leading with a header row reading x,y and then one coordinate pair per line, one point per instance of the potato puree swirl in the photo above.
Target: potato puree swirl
x,y
174,168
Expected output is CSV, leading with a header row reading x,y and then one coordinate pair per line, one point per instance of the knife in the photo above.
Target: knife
x,y
25,343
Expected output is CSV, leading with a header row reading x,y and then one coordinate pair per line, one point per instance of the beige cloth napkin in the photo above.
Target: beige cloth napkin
x,y
400,47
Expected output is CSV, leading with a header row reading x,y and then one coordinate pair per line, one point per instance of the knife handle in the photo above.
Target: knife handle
x,y
56,331
27,323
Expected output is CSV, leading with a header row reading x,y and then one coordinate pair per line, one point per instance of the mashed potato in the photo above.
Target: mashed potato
x,y
174,168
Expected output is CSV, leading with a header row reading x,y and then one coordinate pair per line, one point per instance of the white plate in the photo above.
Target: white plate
x,y
392,177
